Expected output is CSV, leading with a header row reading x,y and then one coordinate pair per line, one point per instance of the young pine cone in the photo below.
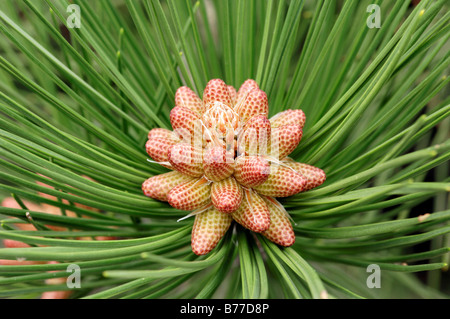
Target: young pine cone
x,y
229,162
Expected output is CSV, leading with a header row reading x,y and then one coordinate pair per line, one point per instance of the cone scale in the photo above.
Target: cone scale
x,y
230,162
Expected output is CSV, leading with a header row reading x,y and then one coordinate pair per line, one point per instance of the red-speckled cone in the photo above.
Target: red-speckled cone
x,y
280,230
190,195
282,182
216,91
159,186
284,140
233,94
164,134
253,212
209,227
218,164
245,88
288,117
230,161
251,171
186,159
226,195
186,125
158,149
255,136
256,103
187,98
314,175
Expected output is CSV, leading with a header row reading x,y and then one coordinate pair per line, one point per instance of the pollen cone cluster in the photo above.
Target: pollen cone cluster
x,y
229,162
